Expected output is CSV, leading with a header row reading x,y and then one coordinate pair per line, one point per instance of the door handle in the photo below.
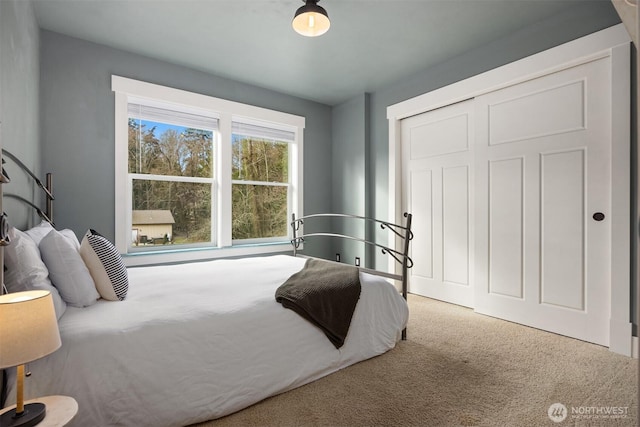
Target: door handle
x,y
598,216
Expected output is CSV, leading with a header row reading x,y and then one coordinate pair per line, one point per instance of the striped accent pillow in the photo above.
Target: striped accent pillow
x,y
105,265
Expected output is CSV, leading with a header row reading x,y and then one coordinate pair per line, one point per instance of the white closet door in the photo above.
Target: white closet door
x,y
543,194
437,172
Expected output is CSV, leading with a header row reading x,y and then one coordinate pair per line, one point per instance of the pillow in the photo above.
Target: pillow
x,y
71,235
25,270
38,232
67,270
105,265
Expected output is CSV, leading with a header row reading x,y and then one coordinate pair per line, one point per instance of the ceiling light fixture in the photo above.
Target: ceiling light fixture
x,y
311,20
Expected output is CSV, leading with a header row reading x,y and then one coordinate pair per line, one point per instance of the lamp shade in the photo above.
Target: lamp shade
x,y
311,20
28,327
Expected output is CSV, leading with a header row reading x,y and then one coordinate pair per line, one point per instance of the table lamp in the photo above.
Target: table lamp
x,y
28,331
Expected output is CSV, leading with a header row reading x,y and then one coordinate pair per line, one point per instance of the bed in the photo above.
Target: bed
x,y
195,342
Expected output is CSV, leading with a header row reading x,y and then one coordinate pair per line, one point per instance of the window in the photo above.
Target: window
x,y
201,177
260,185
171,169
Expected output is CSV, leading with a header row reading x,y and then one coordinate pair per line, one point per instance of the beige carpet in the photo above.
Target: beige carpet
x,y
458,368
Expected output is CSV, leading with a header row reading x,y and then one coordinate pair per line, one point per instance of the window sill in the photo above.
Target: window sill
x,y
136,259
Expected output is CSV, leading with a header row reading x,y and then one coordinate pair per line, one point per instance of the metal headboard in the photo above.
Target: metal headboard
x,y
47,188
403,232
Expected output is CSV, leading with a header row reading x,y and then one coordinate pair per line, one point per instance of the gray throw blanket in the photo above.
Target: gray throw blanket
x,y
325,294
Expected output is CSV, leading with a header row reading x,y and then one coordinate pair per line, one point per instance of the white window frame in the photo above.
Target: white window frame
x,y
128,89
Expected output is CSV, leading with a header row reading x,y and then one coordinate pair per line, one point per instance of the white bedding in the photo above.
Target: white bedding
x,y
198,341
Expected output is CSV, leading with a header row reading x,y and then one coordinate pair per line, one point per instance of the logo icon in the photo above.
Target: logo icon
x,y
557,412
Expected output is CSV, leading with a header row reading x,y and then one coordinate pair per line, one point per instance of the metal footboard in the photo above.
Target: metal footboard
x,y
401,231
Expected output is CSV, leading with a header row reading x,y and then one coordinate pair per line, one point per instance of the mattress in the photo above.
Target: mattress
x,y
198,341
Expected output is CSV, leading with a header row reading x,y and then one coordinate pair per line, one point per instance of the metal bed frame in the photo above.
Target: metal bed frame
x,y
402,233
47,188
46,215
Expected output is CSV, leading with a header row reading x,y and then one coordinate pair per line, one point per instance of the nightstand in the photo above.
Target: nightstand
x,y
60,410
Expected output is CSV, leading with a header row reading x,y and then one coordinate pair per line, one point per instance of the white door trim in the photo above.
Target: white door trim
x,y
612,42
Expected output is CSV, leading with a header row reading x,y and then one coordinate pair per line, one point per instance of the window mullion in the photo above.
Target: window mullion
x,y
225,192
265,183
174,178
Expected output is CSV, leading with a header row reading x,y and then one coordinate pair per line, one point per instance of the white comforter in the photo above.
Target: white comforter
x,y
198,341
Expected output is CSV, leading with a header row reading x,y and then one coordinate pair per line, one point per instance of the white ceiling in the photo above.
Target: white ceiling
x,y
370,43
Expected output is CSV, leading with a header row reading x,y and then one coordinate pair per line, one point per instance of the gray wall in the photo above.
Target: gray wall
x,y
350,142
77,111
19,132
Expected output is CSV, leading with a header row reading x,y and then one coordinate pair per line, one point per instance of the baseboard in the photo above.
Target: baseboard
x,y
634,349
621,337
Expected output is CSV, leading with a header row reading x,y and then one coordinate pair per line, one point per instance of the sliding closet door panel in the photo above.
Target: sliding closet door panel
x,y
544,112
422,204
437,190
562,276
455,224
543,154
445,136
506,227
